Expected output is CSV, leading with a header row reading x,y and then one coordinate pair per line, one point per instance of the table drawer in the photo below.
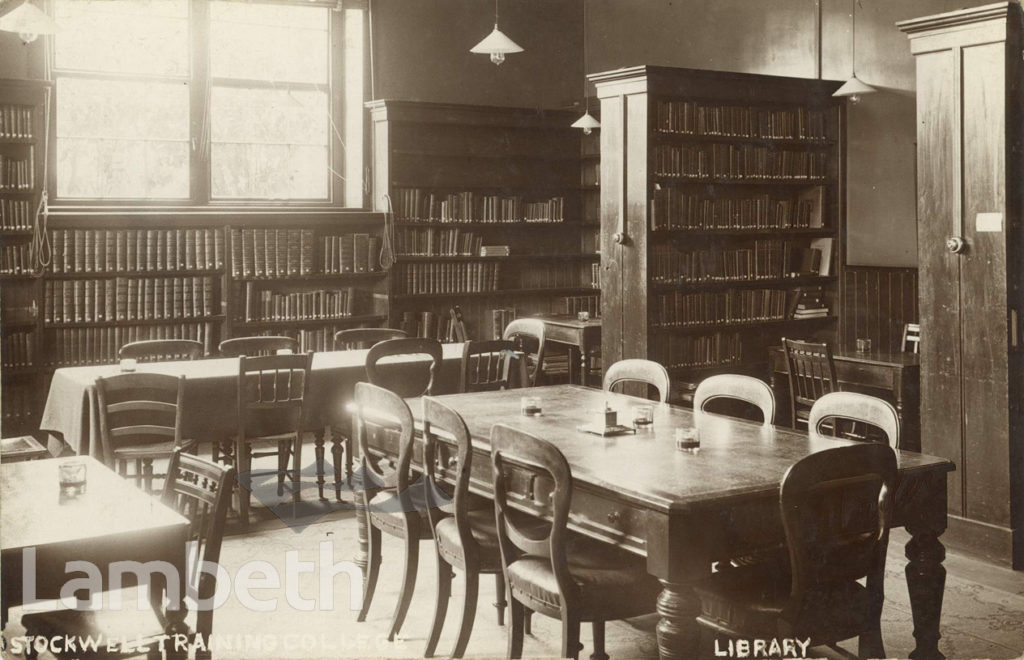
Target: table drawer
x,y
612,521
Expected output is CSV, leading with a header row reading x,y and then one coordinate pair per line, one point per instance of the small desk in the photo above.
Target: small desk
x,y
895,373
111,521
21,448
583,336
681,511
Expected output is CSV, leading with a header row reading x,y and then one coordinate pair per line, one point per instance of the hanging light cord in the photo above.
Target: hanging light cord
x,y
41,247
495,13
853,37
586,96
387,247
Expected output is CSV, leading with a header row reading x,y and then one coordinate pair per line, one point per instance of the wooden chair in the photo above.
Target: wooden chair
x,y
364,337
855,407
911,338
408,379
491,365
812,374
553,572
836,508
639,371
161,350
394,504
140,420
735,386
465,536
528,337
271,392
200,490
255,346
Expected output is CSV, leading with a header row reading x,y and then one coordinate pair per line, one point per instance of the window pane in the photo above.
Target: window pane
x,y
354,82
277,43
122,139
127,36
269,144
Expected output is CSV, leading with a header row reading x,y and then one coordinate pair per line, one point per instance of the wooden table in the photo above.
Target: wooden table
x,y
112,521
582,336
684,510
895,374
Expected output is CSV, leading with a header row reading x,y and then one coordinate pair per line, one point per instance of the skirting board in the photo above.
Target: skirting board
x,y
991,543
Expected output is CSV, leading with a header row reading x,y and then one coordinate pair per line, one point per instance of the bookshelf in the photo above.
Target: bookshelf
x,y
721,206
23,106
488,220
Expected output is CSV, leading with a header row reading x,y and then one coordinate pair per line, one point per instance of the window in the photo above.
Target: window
x,y
196,101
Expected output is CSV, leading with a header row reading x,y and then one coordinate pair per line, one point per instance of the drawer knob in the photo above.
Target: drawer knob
x,y
614,517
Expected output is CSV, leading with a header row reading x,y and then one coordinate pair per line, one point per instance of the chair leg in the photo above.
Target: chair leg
x,y
500,603
412,560
147,474
243,459
122,468
336,457
283,454
516,619
870,645
468,613
528,621
444,592
372,568
204,629
297,468
599,653
570,637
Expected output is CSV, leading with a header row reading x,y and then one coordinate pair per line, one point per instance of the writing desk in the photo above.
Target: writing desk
x,y
111,521
895,373
682,511
582,336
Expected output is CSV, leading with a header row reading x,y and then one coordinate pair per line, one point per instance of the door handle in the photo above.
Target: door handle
x,y
956,244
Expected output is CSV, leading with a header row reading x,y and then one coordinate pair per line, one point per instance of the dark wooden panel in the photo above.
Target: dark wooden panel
x,y
612,193
876,303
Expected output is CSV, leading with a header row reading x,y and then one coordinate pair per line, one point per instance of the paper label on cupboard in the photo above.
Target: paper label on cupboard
x,y
989,222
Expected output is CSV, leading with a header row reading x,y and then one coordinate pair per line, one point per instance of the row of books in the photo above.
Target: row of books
x,y
767,259
549,276
687,351
17,349
809,303
440,325
678,309
271,252
350,253
136,250
437,242
77,346
15,121
16,174
16,259
424,205
595,275
500,318
737,162
129,299
495,250
589,304
692,118
673,208
303,305
19,404
16,214
442,277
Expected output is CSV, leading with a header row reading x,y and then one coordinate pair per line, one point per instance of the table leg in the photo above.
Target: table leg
x,y
678,634
319,451
926,581
177,610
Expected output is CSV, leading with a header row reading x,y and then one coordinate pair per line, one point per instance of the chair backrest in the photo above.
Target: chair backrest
x,y
812,373
438,450
856,407
528,337
836,508
408,378
161,350
736,386
201,491
639,371
271,392
514,449
137,409
255,346
364,337
489,365
379,410
911,338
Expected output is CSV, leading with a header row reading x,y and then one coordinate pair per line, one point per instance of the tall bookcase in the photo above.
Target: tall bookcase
x,y
22,129
487,213
722,199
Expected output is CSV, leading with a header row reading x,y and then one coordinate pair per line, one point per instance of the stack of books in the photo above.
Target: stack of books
x,y
494,251
809,303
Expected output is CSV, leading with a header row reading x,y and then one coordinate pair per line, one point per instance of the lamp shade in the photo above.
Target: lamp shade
x,y
587,123
854,87
497,45
28,21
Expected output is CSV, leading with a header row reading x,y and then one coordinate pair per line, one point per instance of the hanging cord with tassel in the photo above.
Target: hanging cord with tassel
x,y
41,248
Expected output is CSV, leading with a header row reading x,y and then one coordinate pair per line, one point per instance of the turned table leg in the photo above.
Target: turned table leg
x,y
926,581
319,450
678,634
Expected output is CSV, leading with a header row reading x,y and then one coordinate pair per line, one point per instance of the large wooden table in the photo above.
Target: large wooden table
x,y
684,510
112,521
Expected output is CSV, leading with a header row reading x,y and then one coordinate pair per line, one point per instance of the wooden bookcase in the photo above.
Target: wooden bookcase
x,y
457,178
722,200
23,106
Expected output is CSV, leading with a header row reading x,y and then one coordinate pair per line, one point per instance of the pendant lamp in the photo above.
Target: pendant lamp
x,y
854,88
587,122
28,21
496,44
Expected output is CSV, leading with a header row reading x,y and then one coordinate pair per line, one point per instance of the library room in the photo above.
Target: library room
x,y
671,329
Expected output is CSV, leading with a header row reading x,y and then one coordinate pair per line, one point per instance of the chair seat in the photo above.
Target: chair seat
x,y
151,450
749,601
613,584
387,514
485,533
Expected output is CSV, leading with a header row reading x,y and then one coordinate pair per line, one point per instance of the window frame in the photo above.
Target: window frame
x,y
199,80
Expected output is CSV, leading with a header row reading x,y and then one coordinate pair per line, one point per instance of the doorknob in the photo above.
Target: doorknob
x,y
956,244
